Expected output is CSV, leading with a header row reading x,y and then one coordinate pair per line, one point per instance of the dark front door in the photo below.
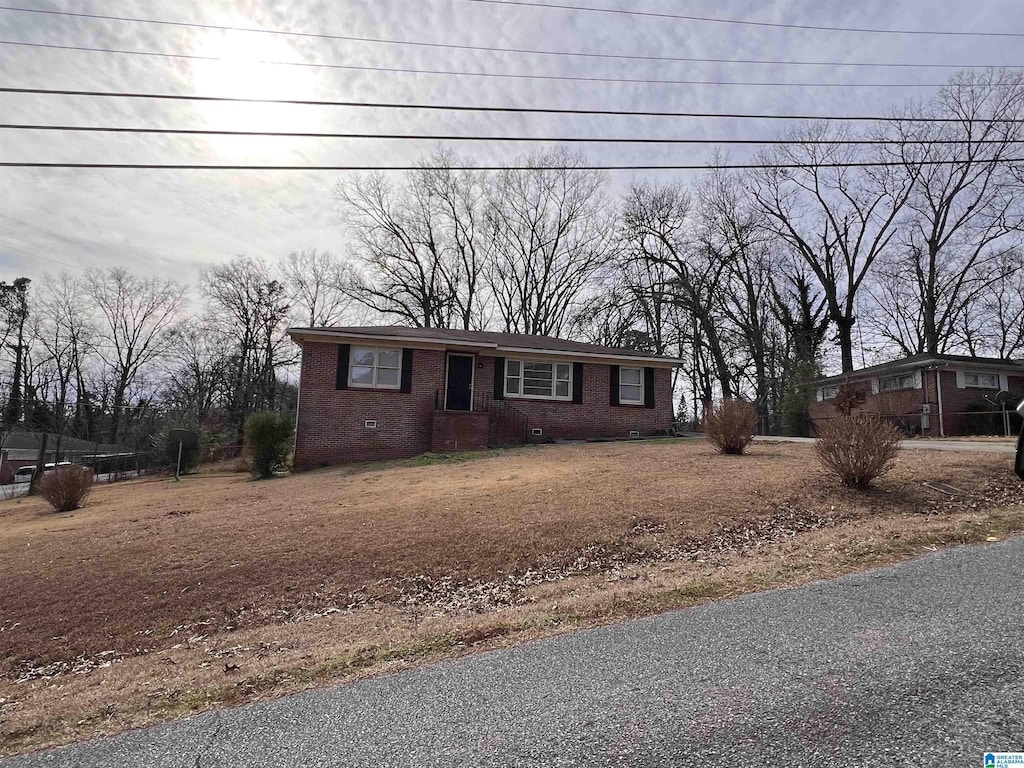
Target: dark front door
x,y
459,392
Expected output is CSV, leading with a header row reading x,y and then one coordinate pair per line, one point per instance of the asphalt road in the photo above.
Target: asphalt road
x,y
918,665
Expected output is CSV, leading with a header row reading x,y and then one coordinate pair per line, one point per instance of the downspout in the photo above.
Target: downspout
x,y
938,398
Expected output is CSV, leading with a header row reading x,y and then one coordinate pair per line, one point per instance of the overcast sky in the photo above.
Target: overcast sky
x,y
171,223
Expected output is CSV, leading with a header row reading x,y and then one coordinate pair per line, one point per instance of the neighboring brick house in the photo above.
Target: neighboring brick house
x,y
928,394
392,392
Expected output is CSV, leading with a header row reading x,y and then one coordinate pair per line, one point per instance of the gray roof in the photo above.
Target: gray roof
x,y
927,359
493,339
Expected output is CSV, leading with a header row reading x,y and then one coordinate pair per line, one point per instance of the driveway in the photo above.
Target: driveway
x,y
919,664
982,446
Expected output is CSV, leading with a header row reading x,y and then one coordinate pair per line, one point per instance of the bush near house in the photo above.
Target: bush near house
x,y
65,488
267,442
730,425
859,449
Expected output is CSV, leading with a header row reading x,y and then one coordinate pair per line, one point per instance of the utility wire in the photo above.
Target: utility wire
x,y
421,44
745,22
471,73
478,108
5,247
456,137
711,167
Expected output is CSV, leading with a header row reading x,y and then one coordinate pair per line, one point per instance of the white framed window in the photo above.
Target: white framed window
x,y
375,368
981,380
893,383
631,386
538,380
830,392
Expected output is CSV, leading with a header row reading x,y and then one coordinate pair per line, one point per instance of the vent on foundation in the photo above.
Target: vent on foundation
x,y
370,423
537,431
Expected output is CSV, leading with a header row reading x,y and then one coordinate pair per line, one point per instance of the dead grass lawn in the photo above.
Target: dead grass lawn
x,y
156,590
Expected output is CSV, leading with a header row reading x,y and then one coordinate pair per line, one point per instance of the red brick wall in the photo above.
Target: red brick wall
x,y
459,431
331,422
595,416
907,403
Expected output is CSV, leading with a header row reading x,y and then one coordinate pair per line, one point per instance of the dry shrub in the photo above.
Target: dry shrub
x,y
267,440
730,425
66,487
858,448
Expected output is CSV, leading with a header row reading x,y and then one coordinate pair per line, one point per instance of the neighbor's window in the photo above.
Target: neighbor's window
x,y
631,386
529,378
981,380
891,383
375,368
830,392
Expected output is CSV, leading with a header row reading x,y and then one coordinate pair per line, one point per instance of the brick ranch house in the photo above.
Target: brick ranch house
x,y
929,394
369,393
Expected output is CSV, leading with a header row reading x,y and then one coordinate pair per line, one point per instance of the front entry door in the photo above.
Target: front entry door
x,y
459,391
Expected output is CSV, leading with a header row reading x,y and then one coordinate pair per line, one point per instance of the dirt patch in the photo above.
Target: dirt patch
x,y
161,598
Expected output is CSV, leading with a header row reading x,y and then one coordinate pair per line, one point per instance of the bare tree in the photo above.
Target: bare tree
x,y
657,227
15,315
553,232
838,217
995,324
316,282
65,334
249,309
136,315
422,244
635,309
731,228
964,214
198,367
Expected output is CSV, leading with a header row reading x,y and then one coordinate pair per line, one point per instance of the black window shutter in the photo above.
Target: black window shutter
x,y
648,387
499,378
341,379
615,384
406,369
577,382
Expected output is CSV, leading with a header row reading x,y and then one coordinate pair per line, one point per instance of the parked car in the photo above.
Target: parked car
x,y
24,474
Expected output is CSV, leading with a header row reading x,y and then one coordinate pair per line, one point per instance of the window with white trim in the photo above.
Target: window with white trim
x,y
375,368
830,392
893,383
981,380
631,386
539,380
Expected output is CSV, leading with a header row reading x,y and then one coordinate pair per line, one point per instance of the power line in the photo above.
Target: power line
x,y
720,166
478,108
456,137
745,22
5,247
463,47
471,73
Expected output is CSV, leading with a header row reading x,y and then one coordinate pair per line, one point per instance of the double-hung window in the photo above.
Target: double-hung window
x,y
893,383
631,386
981,380
534,379
375,368
830,392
